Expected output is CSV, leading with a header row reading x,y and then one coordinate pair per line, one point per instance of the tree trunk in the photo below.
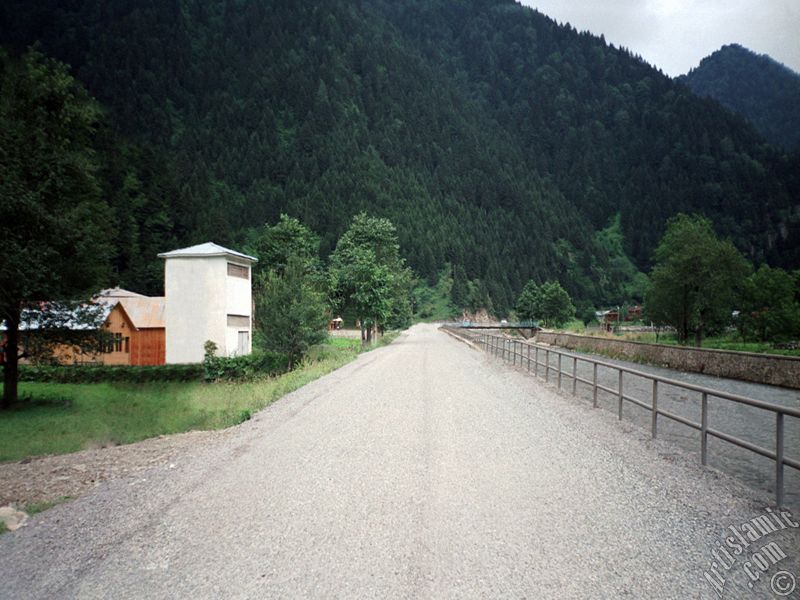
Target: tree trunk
x,y
11,364
698,336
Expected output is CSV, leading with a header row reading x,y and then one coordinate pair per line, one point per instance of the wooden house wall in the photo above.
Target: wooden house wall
x,y
148,347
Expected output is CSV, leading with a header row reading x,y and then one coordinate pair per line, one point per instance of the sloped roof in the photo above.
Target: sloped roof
x,y
144,312
116,292
52,315
206,250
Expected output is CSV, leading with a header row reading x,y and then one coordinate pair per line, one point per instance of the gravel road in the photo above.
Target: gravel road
x,y
421,470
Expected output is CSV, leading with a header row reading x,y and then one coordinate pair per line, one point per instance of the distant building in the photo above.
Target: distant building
x,y
208,291
136,324
208,296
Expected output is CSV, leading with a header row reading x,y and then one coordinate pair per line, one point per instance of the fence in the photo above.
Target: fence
x,y
518,351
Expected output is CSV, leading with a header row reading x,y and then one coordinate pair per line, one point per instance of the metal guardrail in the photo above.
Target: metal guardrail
x,y
511,350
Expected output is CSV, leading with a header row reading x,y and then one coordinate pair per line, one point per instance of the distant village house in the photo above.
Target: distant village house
x,y
208,296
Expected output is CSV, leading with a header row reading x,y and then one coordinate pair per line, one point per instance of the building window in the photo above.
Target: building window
x,y
118,342
127,345
238,321
238,271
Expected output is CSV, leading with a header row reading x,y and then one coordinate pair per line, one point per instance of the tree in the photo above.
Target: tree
x,y
368,275
288,238
527,306
769,308
695,277
549,303
291,314
55,225
556,306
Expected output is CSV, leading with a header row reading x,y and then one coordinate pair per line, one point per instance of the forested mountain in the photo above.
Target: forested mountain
x,y
495,139
762,90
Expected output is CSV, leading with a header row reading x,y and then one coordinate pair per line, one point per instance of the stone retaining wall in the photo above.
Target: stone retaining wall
x,y
748,366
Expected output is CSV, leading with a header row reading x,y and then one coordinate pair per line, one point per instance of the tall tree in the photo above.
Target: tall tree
x,y
549,303
291,314
368,275
55,225
694,283
288,239
769,307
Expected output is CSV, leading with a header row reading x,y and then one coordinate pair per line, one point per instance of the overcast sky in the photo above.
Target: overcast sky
x,y
674,35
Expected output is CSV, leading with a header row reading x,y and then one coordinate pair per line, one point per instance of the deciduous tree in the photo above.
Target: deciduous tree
x,y
769,308
291,314
694,282
368,275
55,224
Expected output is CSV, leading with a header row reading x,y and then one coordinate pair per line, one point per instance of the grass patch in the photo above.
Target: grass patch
x,y
58,418
723,342
3,528
36,507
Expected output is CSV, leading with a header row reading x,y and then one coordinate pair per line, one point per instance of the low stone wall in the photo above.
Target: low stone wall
x,y
748,366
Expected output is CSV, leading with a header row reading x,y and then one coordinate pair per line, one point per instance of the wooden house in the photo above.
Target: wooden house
x,y
136,325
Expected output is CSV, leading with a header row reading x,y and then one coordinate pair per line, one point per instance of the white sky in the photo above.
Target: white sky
x,y
674,35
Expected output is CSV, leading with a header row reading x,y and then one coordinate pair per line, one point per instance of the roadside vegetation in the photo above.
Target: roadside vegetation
x,y
701,291
57,418
725,341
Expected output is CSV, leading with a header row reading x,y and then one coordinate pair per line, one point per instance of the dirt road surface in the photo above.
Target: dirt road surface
x,y
421,470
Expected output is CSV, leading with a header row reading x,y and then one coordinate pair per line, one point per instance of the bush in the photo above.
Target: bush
x,y
109,374
240,368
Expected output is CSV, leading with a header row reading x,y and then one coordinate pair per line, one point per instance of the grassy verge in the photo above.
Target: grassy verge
x,y
716,343
60,418
37,507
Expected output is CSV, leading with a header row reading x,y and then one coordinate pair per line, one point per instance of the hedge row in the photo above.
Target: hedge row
x,y
110,374
244,368
214,368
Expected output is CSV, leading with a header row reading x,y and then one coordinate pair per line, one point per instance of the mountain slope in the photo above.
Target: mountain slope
x,y
496,140
763,91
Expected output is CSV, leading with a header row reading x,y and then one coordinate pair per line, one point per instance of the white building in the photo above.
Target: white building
x,y
208,292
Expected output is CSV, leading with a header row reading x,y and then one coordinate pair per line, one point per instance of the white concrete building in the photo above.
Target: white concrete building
x,y
208,292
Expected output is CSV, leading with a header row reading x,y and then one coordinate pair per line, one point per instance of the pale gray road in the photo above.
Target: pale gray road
x,y
421,470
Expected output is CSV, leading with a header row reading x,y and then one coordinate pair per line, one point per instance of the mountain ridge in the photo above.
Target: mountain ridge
x,y
497,141
762,90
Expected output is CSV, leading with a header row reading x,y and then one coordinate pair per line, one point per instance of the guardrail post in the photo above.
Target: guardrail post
x,y
594,385
574,374
655,407
536,362
514,351
704,429
547,364
620,394
529,358
559,370
779,459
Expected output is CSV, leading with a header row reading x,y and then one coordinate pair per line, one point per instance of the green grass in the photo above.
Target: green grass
x,y
62,418
37,507
3,528
717,342
574,326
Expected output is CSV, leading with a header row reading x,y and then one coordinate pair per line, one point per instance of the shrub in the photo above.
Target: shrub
x,y
109,374
260,363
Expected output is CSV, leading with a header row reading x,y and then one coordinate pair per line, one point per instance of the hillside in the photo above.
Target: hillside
x,y
497,141
763,91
